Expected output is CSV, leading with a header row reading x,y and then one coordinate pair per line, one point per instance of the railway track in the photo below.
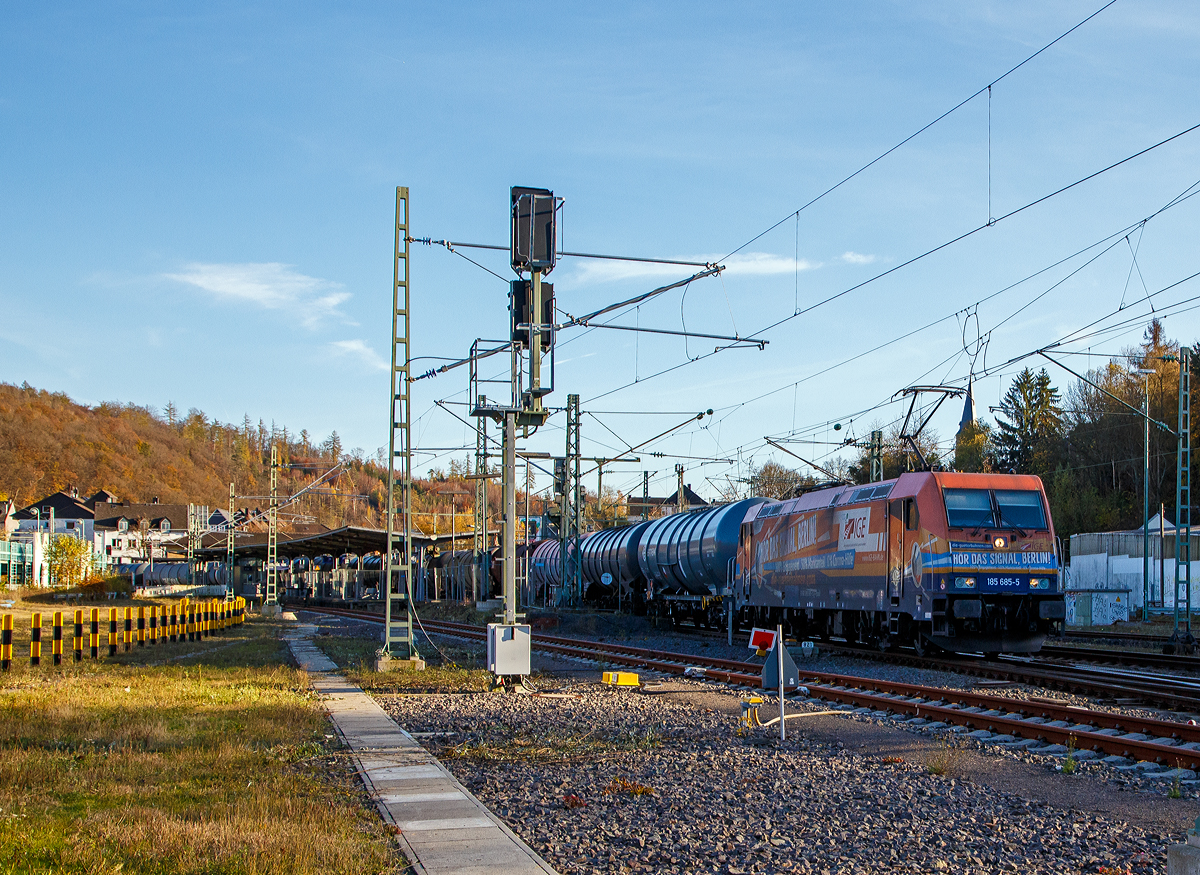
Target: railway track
x,y
1019,721
1132,637
1069,673
1121,657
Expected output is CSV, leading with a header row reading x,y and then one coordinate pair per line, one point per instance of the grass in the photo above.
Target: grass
x,y
945,759
218,763
461,673
1070,764
550,745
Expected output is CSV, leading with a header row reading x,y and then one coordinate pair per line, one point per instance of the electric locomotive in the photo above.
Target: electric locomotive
x,y
961,562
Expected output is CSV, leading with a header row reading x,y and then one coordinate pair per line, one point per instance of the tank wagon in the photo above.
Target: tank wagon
x,y
961,562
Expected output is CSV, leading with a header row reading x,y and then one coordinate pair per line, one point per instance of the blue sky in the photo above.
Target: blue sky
x,y
198,204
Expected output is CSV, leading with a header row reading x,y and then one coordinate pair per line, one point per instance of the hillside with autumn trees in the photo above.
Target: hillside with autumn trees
x,y
49,442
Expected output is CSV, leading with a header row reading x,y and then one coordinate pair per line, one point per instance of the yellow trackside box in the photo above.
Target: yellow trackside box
x,y
621,678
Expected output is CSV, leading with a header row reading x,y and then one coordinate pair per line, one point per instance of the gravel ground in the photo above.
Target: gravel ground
x,y
661,781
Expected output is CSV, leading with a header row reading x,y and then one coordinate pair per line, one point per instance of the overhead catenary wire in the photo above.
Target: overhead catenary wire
x,y
922,129
913,260
1112,240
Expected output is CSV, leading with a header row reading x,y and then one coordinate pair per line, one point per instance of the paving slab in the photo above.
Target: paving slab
x,y
444,829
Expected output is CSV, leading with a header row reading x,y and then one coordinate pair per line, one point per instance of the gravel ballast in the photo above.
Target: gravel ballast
x,y
661,781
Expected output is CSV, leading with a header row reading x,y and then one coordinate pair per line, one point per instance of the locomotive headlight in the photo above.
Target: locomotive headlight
x,y
1000,542
1039,583
964,582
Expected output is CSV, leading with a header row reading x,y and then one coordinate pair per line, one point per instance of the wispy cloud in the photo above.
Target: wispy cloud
x,y
857,258
743,264
272,286
359,349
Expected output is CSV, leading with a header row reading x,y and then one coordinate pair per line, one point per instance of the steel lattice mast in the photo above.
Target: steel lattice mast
x,y
271,596
397,581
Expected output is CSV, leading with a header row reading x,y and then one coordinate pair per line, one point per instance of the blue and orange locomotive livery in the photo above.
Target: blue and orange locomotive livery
x,y
964,562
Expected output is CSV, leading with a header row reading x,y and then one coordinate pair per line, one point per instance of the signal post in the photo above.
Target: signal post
x,y
533,248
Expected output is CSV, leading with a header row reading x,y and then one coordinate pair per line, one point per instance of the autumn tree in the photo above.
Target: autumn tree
x,y
773,480
973,449
69,559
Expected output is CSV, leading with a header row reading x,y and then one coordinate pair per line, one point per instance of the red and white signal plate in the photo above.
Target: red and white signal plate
x,y
762,639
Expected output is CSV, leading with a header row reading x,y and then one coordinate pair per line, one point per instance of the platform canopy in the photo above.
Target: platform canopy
x,y
348,539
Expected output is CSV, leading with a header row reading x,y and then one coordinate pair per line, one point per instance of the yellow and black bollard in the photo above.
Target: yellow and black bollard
x,y
35,640
95,633
154,624
128,628
56,645
112,631
141,627
6,642
191,622
77,639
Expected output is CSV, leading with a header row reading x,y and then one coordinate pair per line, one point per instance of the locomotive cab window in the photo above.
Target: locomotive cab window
x,y
1020,509
912,516
969,508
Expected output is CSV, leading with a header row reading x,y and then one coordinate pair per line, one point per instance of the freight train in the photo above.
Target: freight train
x,y
943,560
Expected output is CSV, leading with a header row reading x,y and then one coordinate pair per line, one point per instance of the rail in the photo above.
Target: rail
x,y
1148,739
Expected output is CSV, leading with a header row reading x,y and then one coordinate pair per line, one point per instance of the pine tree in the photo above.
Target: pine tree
x,y
1029,426
333,447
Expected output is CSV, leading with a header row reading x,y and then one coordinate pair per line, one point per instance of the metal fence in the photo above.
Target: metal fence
x,y
1128,544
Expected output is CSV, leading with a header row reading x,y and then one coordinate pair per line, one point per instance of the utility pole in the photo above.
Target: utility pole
x,y
680,500
479,541
271,596
645,495
1181,638
600,495
191,544
572,561
229,532
397,584
528,489
876,453
1146,373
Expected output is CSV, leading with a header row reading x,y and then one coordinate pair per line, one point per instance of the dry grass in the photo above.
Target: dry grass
x,y
552,745
221,763
356,657
946,758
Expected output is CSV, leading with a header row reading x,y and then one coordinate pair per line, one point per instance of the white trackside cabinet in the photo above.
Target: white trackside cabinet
x,y
508,649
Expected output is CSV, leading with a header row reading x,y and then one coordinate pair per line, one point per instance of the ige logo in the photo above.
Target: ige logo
x,y
854,528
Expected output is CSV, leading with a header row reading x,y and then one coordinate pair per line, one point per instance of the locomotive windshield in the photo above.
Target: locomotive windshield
x,y
999,509
1020,508
969,508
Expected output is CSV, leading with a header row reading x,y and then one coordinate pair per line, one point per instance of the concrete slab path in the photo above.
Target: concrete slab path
x,y
443,828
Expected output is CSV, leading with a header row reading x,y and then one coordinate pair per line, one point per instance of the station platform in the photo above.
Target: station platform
x,y
443,827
